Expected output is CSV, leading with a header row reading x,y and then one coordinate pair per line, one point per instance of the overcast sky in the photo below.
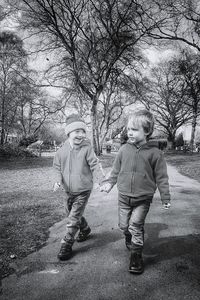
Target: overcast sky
x,y
41,61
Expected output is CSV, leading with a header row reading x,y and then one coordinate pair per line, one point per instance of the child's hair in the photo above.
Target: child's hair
x,y
144,118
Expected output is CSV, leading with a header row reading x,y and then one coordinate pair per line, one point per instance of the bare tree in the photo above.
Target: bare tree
x,y
5,10
177,21
12,61
167,100
23,106
189,67
90,41
33,110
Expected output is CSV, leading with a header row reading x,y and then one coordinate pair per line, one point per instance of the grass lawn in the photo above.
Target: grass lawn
x,y
187,164
28,207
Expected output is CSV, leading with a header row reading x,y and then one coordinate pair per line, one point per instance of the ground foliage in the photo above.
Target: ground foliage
x,y
187,163
28,207
10,151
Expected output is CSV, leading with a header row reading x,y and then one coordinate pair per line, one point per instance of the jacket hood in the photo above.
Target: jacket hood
x,y
147,145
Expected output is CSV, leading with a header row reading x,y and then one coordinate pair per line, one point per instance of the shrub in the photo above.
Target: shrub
x,y
27,140
9,150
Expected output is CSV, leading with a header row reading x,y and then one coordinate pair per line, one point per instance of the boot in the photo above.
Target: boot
x,y
65,252
136,263
83,235
128,242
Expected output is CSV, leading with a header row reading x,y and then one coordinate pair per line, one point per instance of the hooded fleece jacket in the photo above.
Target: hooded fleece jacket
x,y
139,171
74,167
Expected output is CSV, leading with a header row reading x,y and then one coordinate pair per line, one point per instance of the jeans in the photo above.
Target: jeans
x,y
132,215
75,206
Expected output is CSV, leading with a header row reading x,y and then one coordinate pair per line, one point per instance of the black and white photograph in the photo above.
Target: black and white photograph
x,y
99,149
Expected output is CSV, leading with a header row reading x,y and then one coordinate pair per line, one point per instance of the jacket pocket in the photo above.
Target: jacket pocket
x,y
86,181
74,182
142,184
124,182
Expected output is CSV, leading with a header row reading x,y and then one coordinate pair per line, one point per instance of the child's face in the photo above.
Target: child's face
x,y
77,136
136,133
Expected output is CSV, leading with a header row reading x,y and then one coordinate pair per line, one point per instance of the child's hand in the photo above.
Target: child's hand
x,y
96,186
166,205
106,187
56,186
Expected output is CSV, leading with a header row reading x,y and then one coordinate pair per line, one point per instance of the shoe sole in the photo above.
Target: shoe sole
x,y
64,258
83,240
136,272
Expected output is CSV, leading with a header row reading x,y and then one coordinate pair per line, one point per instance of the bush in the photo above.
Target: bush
x,y
9,150
27,140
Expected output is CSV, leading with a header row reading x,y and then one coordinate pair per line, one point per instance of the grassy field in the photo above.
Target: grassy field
x,y
28,207
187,164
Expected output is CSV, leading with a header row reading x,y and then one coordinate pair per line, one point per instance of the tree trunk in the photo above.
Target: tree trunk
x,y
194,123
172,141
95,133
2,131
3,118
98,153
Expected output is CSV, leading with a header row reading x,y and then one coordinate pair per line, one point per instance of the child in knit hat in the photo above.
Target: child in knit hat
x,y
74,164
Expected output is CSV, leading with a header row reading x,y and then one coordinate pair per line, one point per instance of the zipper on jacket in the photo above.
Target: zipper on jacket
x,y
70,168
134,169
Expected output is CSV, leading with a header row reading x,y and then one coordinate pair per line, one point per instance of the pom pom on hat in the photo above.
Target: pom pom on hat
x,y
74,122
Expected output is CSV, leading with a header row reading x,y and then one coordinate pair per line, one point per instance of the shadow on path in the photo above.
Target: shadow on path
x,y
99,240
166,248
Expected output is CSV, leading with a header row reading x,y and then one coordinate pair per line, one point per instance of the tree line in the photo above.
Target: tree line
x,y
96,51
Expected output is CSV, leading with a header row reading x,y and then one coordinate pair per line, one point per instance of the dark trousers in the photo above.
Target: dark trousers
x,y
75,206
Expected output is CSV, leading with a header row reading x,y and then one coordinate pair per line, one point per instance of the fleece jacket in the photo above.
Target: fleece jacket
x,y
139,171
74,167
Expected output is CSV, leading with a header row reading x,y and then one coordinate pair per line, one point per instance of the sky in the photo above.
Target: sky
x,y
40,61
155,56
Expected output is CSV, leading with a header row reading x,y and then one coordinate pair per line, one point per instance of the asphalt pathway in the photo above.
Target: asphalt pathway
x,y
98,269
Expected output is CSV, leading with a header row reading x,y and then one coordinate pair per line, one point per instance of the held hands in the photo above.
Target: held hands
x,y
106,187
96,186
56,186
166,205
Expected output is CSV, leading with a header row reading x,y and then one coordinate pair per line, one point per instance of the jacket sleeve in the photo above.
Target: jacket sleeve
x,y
57,168
162,179
112,179
95,166
92,159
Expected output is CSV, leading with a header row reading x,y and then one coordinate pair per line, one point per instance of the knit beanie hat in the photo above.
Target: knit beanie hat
x,y
74,122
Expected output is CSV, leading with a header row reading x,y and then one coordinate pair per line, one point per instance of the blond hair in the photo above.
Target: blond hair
x,y
144,118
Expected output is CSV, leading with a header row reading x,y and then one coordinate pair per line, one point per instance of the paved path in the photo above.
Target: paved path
x,y
99,268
